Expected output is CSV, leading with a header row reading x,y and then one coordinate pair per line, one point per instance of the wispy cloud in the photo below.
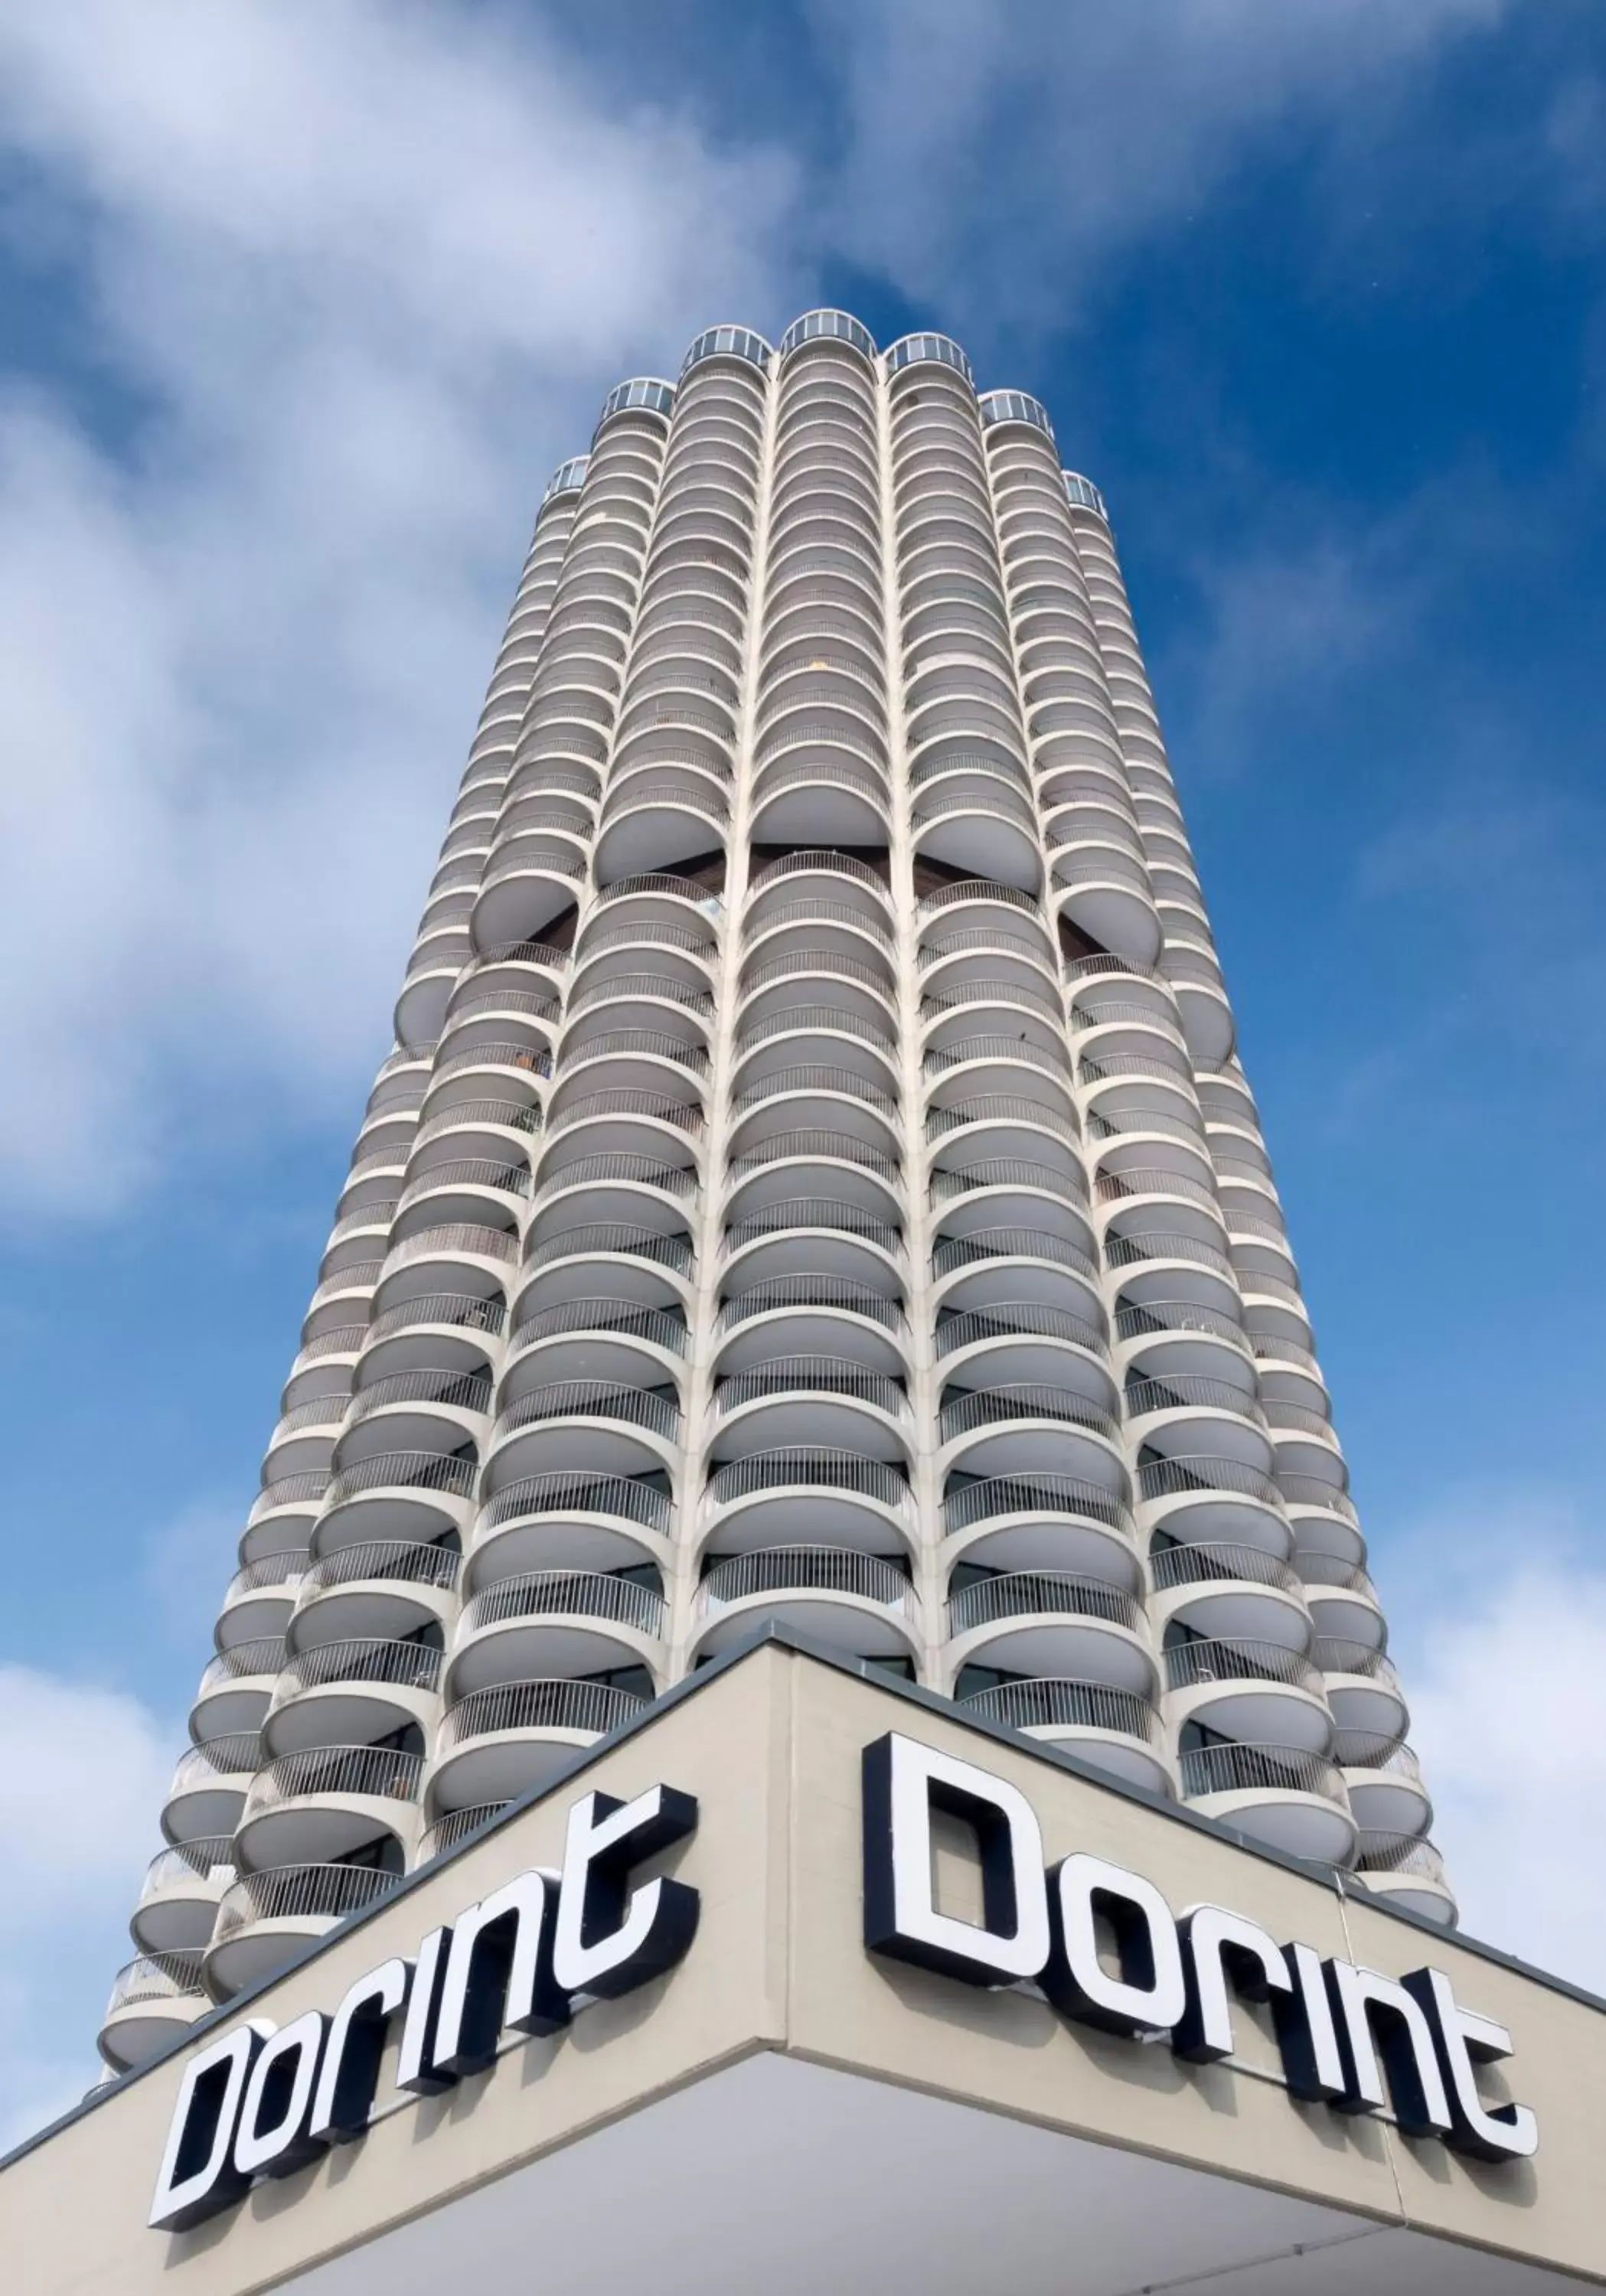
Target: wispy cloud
x,y
992,147
357,276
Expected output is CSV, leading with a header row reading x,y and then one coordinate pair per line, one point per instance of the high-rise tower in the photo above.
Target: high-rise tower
x,y
815,1182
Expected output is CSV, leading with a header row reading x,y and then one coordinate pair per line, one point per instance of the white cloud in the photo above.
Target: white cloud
x,y
82,1774
990,142
1500,1613
359,276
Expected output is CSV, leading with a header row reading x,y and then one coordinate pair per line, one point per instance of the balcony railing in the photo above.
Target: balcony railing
x,y
1045,1492
413,1562
586,1708
820,1569
811,1375
1060,1702
841,1291
1240,1768
569,1491
815,1466
374,1772
151,1977
1027,1594
368,1658
566,1594
1017,1319
421,1470
288,1893
1191,1666
1205,1474
1195,1566
1400,1853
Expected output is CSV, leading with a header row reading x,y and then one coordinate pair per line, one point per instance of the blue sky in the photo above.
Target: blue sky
x,y
300,308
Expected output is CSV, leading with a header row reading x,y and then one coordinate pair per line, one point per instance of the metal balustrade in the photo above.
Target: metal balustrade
x,y
576,1491
372,1773
1233,1767
587,1709
1187,1390
153,1977
950,1181
813,1570
807,1142
616,1238
1214,1660
241,1661
811,1212
439,1472
813,1374
810,1465
592,1398
1380,1852
612,1318
1040,1594
292,1893
456,1391
566,1594
401,1562
1009,1243
233,1755
999,1406
783,1291
391,1663
1212,1560
1061,1702
1011,1319
177,1869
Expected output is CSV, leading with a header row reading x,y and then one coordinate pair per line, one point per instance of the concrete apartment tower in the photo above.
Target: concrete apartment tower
x,y
815,1183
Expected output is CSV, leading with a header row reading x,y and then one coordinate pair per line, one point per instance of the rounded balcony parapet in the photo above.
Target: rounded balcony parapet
x,y
372,1659
564,1593
370,1773
1212,1561
828,1569
1034,1593
576,1706
1218,1659
406,1561
1237,1767
299,1894
996,407
1062,1702
566,1491
828,326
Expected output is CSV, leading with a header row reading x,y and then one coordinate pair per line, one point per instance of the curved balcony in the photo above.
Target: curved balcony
x,y
526,887
1342,1599
1407,1872
1240,1687
234,1692
439,1408
178,1898
1049,1622
1115,1730
812,1314
587,1521
1030,1340
1105,892
352,1693
419,1494
812,1234
860,1603
773,1498
258,1599
386,1590
634,1261
813,784
809,1401
1362,1688
430,1333
512,1739
1285,1795
321,1805
587,1423
453,1827
1220,1591
1387,1790
207,1788
1023,1427
155,1998
265,1916
973,817
555,1622
602,1336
